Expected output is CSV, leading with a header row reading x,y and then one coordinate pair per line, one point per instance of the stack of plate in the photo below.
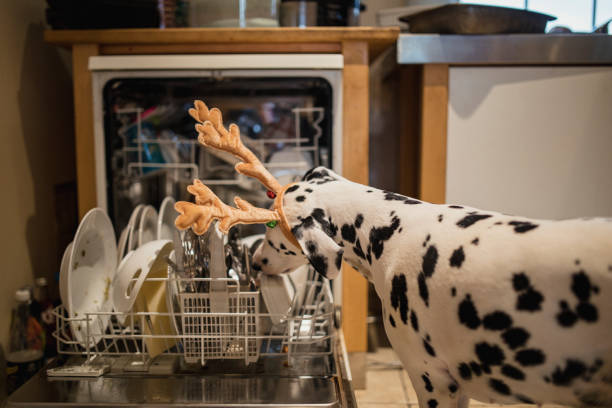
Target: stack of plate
x,y
99,275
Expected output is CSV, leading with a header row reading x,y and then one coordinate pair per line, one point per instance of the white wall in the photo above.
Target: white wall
x,y
532,141
36,152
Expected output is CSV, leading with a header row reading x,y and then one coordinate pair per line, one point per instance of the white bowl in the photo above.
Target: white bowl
x,y
133,271
147,226
165,221
92,266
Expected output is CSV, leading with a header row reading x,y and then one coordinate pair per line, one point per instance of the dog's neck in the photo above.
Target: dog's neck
x,y
363,218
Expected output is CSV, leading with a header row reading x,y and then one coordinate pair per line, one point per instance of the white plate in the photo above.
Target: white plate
x,y
147,225
132,272
165,221
63,281
133,227
92,266
122,243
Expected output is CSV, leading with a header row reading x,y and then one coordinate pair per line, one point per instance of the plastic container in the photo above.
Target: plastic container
x,y
25,355
233,13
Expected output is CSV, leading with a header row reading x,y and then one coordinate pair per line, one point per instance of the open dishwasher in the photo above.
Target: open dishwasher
x,y
224,337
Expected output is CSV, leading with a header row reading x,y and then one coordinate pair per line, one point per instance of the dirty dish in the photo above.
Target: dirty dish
x,y
63,280
165,221
133,227
92,266
147,225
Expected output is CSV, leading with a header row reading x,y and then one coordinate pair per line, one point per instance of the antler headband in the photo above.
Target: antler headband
x,y
208,206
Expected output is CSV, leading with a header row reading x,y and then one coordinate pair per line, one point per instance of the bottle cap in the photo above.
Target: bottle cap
x,y
41,281
22,295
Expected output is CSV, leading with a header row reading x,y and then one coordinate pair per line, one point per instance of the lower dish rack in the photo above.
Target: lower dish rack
x,y
195,329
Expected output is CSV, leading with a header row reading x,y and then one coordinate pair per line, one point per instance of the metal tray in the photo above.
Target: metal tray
x,y
476,19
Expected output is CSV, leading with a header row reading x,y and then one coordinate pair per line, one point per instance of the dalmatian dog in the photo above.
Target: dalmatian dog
x,y
477,304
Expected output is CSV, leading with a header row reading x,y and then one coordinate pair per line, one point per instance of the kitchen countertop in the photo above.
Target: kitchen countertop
x,y
508,49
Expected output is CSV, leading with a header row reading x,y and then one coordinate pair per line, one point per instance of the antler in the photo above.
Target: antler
x,y
212,133
209,207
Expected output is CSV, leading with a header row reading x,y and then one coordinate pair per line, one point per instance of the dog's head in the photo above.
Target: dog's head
x,y
311,227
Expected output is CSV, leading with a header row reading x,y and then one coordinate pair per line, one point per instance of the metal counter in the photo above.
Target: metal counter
x,y
509,49
321,381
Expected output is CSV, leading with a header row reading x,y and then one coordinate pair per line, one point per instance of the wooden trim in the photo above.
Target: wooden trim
x,y
220,48
83,119
434,112
223,35
355,152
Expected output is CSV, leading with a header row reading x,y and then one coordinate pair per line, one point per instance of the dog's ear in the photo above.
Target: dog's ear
x,y
324,254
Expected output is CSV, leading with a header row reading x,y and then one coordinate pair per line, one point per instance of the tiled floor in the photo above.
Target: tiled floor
x,y
388,385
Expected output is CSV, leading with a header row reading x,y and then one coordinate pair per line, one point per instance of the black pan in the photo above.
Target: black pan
x,y
476,19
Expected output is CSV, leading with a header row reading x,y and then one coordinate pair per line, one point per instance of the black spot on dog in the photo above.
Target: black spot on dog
x,y
348,233
489,354
468,315
429,348
309,190
475,241
369,191
432,403
358,220
457,258
572,370
512,372
427,238
581,286
440,218
453,291
398,197
475,368
524,399
458,207
378,235
522,226
452,388
464,371
290,252
471,219
282,246
515,337
499,386
497,321
392,320
520,281
256,267
299,199
530,357
339,255
577,261
423,291
313,174
566,317
428,385
318,214
587,312
292,189
429,261
414,321
318,261
530,300
264,261
358,250
398,296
